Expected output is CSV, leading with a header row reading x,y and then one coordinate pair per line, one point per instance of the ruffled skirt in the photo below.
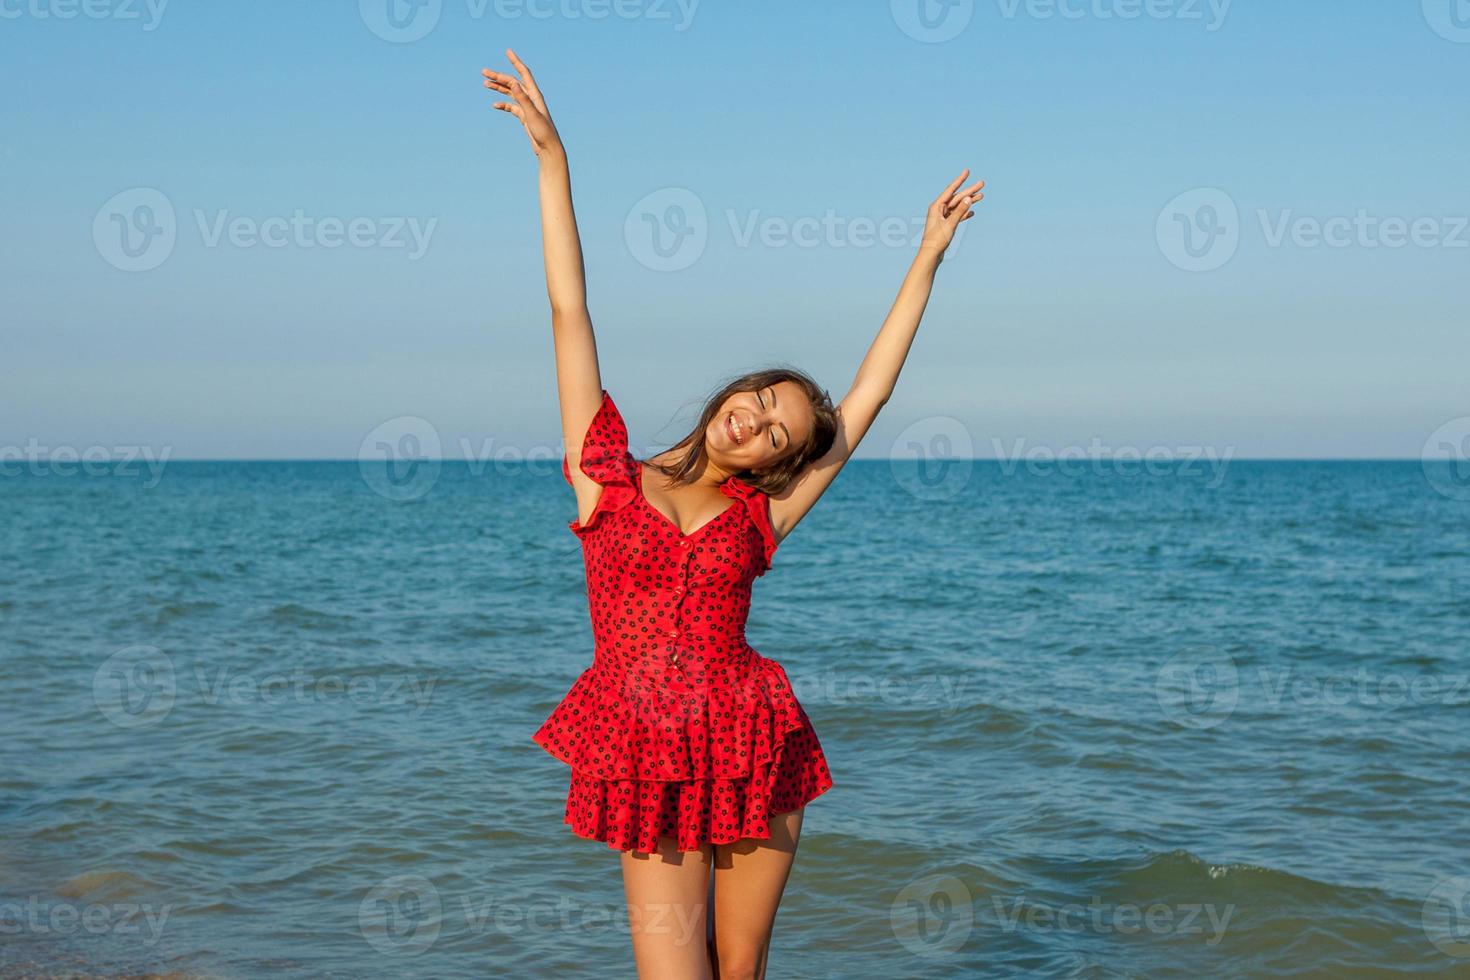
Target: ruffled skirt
x,y
652,757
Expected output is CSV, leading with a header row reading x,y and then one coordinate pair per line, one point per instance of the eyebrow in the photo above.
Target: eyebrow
x,y
772,390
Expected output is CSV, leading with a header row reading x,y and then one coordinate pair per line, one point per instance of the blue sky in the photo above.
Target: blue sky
x,y
1070,311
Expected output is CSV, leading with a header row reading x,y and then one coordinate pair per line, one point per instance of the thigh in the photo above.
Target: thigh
x,y
750,876
666,893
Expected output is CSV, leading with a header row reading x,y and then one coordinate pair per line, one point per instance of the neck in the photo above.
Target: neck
x,y
705,472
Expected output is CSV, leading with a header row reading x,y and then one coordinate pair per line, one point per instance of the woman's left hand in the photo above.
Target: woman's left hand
x,y
948,210
528,105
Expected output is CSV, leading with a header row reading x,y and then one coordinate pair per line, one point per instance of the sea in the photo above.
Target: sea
x,y
1086,718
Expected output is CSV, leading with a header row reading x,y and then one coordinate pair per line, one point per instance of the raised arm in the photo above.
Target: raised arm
x,y
578,379
879,371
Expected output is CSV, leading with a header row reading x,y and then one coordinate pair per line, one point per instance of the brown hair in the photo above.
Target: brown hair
x,y
774,479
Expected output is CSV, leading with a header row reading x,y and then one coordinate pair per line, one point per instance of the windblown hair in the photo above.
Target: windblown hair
x,y
685,468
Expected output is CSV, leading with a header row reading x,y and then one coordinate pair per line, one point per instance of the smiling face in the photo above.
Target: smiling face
x,y
755,429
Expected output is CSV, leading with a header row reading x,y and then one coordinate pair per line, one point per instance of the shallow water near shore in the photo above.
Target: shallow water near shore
x,y
263,719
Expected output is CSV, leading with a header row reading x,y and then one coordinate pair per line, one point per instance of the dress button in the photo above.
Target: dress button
x,y
684,544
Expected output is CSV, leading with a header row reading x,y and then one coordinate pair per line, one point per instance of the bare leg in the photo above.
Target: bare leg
x,y
750,876
666,894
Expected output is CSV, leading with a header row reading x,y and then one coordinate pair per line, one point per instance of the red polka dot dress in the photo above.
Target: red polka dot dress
x,y
679,728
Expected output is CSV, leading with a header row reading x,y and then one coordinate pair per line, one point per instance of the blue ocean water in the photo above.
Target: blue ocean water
x,y
270,719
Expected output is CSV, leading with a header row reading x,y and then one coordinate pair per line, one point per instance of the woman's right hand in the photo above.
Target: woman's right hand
x,y
946,213
528,105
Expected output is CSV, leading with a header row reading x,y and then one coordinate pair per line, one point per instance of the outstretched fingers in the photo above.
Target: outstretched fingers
x,y
506,85
496,80
973,190
528,81
948,191
959,201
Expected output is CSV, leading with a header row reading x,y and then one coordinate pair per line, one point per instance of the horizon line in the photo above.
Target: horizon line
x,y
1055,458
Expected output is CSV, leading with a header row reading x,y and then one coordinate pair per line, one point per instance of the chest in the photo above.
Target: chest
x,y
637,549
687,510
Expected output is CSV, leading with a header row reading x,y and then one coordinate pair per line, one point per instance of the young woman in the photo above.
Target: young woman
x,y
688,750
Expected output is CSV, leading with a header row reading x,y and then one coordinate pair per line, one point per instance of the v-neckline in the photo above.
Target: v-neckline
x,y
669,520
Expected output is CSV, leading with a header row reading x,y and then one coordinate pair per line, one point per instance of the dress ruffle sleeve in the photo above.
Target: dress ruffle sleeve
x,y
606,460
758,506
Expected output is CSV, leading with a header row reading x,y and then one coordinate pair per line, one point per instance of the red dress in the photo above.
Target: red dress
x,y
679,728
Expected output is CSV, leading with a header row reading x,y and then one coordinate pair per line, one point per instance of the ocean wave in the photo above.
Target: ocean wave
x,y
303,617
182,610
106,885
1181,873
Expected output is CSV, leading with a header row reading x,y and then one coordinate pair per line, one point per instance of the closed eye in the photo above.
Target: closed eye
x,y
763,405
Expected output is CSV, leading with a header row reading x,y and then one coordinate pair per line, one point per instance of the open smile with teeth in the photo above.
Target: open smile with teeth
x,y
735,429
